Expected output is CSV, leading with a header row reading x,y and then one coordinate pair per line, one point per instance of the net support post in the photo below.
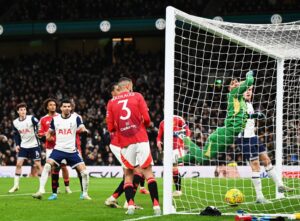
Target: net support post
x,y
279,122
168,109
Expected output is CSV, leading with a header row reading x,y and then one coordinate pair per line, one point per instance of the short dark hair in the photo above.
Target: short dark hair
x,y
46,102
20,105
112,86
65,101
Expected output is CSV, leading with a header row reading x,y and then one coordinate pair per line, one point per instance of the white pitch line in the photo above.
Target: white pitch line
x,y
29,194
141,218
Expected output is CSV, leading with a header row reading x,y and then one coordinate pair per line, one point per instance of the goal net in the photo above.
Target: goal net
x,y
202,57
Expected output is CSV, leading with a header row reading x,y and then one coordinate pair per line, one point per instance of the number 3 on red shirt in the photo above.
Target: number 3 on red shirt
x,y
125,108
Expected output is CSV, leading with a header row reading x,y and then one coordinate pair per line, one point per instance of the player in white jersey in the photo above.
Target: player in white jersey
x,y
65,127
254,152
27,145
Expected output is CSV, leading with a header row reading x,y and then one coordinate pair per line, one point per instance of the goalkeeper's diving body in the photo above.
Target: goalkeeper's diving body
x,y
234,124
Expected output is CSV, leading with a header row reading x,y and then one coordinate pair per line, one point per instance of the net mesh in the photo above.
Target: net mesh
x,y
208,55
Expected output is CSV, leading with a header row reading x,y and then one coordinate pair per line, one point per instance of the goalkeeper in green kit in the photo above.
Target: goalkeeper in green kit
x,y
235,122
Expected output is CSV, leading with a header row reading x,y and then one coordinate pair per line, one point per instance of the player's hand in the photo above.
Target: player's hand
x,y
250,73
50,139
159,146
258,115
17,149
180,134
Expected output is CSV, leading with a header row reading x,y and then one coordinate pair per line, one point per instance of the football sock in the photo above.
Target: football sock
x,y
85,182
128,189
257,184
177,180
136,181
17,179
80,180
152,186
273,174
120,189
44,177
54,179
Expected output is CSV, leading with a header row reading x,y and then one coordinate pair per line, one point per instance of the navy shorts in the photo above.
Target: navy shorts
x,y
30,153
250,147
73,159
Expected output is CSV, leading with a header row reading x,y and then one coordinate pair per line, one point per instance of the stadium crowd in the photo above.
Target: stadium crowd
x,y
87,79
30,10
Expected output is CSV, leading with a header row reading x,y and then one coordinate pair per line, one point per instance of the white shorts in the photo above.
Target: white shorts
x,y
117,152
137,154
49,151
177,153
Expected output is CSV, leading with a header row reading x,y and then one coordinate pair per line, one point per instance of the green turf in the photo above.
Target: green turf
x,y
21,206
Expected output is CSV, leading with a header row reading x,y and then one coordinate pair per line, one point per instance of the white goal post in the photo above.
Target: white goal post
x,y
200,56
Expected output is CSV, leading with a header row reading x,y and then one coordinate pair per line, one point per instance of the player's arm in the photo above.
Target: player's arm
x,y
160,136
80,126
244,85
144,110
109,118
17,138
51,131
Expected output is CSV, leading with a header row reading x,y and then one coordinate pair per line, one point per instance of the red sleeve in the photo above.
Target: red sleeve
x,y
42,130
109,118
144,111
160,132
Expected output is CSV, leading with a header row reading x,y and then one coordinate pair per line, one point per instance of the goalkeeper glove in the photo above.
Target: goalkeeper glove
x,y
180,134
257,115
250,73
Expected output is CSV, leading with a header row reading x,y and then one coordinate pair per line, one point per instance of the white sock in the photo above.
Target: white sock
x,y
17,180
257,184
44,177
85,182
272,173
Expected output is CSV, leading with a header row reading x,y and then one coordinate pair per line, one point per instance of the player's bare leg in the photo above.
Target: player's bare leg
x,y
81,168
177,181
66,177
152,185
43,180
272,173
141,180
18,172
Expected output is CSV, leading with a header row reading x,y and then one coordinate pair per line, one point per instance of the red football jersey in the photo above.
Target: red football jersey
x,y
127,114
114,140
44,125
179,124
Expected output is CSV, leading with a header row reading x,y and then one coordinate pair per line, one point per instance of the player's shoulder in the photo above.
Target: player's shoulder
x,y
44,118
15,121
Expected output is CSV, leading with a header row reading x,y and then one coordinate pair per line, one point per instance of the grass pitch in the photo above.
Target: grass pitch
x,y
20,206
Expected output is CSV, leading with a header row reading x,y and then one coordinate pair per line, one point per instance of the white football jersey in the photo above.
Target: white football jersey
x,y
250,125
25,130
65,130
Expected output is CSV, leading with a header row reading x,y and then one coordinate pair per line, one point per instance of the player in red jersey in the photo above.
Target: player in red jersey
x,y
127,115
116,150
179,128
50,105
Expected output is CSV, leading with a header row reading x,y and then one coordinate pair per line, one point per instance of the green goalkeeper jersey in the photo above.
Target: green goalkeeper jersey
x,y
237,109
